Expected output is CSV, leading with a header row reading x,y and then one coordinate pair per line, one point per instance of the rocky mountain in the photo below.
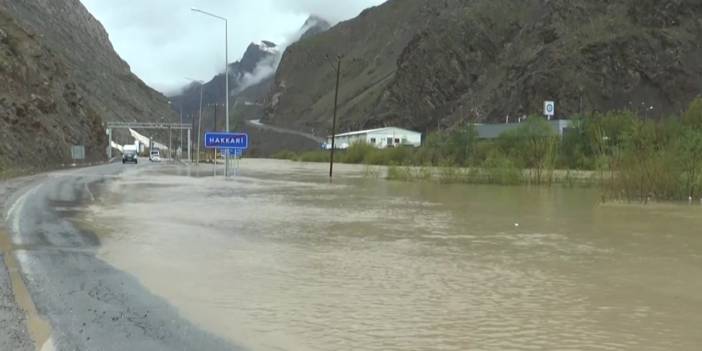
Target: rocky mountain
x,y
251,79
313,26
62,80
427,64
249,76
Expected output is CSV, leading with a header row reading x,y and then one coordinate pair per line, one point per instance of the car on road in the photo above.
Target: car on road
x,y
130,157
155,156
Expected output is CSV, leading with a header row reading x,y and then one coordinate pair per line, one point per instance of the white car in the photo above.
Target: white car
x,y
155,156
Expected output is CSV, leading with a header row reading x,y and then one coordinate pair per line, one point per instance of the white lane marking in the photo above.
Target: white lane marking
x,y
87,189
48,345
14,216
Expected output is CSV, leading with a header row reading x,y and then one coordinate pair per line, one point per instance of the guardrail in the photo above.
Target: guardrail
x,y
146,125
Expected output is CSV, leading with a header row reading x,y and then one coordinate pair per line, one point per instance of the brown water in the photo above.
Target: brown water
x,y
279,259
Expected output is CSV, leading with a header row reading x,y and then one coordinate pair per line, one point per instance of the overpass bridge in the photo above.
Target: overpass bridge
x,y
151,126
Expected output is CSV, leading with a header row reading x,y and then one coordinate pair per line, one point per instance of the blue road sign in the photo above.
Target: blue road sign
x,y
220,140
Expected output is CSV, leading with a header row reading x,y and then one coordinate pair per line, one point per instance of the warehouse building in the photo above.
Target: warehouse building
x,y
381,138
493,131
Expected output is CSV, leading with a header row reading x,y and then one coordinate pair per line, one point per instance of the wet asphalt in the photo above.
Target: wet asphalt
x,y
89,304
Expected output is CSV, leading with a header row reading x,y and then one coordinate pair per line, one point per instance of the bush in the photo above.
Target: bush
x,y
660,161
357,153
400,173
284,155
499,169
314,156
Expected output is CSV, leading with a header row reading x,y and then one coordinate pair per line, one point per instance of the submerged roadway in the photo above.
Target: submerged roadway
x,y
66,298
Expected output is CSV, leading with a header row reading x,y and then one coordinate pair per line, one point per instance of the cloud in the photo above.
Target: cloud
x,y
263,70
164,42
333,11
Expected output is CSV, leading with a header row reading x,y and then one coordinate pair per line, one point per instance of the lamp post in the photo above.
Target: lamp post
x,y
226,72
199,121
336,101
170,139
180,141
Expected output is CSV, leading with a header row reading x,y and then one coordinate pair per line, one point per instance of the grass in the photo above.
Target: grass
x,y
630,158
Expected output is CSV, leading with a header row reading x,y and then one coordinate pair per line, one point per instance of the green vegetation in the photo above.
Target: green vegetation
x,y
632,159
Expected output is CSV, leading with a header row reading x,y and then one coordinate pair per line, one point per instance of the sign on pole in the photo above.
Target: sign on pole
x,y
549,109
78,152
220,140
233,152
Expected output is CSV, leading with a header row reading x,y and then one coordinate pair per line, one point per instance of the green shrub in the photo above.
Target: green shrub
x,y
314,156
356,153
285,155
403,173
499,169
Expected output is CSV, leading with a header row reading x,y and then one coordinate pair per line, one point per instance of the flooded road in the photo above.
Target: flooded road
x,y
279,259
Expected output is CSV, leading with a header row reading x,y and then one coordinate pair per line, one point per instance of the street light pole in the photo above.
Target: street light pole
x,y
336,101
180,141
226,72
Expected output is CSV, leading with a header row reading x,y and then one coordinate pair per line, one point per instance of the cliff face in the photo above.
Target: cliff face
x,y
248,78
425,64
251,79
62,81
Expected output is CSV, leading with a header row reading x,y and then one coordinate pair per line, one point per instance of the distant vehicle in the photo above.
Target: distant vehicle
x,y
130,156
155,155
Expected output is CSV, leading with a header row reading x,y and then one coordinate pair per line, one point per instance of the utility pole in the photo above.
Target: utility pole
x,y
336,101
199,121
170,143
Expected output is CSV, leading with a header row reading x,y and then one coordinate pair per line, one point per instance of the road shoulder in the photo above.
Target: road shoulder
x,y
14,334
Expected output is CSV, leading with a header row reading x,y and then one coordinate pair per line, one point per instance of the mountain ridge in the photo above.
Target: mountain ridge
x,y
62,81
250,79
485,60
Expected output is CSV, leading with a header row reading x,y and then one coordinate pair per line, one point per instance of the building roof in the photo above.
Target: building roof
x,y
361,132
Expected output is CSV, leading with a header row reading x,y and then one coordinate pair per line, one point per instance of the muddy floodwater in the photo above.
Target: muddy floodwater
x,y
279,259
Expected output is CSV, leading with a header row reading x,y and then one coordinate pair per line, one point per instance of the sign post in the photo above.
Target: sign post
x,y
227,143
549,109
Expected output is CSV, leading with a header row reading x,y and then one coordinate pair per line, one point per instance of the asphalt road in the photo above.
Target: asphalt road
x,y
258,124
86,303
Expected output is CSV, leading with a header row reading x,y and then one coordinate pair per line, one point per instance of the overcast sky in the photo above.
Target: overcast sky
x,y
164,42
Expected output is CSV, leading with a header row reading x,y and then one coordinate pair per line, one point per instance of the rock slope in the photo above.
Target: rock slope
x,y
427,64
62,80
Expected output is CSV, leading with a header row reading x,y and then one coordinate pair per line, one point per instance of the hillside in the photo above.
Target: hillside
x,y
427,64
62,80
250,77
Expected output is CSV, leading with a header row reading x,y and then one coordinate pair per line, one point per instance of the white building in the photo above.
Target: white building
x,y
381,138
